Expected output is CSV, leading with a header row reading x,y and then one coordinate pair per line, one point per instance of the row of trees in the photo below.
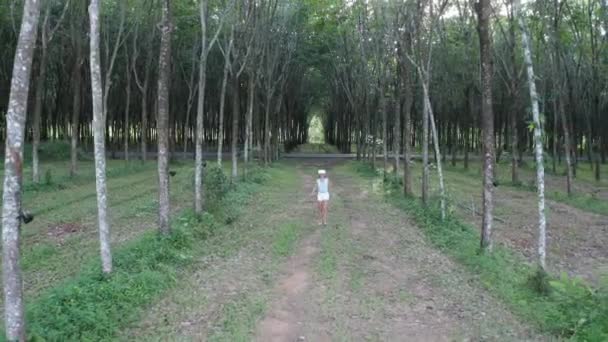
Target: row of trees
x,y
168,77
245,50
497,78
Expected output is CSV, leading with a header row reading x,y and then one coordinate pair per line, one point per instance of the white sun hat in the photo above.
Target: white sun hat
x,y
322,172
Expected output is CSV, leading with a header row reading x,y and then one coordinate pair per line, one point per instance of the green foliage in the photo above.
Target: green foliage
x,y
565,307
49,151
48,177
92,307
217,184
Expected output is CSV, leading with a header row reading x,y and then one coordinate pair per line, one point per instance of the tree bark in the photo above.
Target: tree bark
x,y
99,136
76,100
538,147
483,8
407,138
235,125
14,318
39,98
249,120
227,67
164,69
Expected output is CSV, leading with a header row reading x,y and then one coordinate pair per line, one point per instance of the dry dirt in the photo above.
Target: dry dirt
x,y
388,283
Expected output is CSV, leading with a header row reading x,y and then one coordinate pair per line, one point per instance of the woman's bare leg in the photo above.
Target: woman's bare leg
x,y
320,210
325,205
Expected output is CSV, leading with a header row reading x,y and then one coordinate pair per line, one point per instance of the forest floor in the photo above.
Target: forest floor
x,y
63,237
278,276
369,275
577,227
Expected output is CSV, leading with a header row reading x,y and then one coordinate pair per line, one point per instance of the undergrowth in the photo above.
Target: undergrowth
x,y
568,308
93,307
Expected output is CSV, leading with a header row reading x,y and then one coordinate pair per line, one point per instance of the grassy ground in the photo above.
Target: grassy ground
x,y
368,275
570,309
60,258
576,237
227,290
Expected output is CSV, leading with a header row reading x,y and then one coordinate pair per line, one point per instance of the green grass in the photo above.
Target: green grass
x,y
285,239
238,319
572,309
583,201
90,306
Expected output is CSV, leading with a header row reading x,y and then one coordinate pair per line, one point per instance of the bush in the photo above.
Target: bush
x,y
216,183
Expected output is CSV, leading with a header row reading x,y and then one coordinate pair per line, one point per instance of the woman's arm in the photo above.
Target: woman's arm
x,y
314,189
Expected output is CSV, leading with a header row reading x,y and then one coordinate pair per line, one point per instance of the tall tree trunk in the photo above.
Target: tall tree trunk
x,y
408,94
425,152
220,134
144,124
76,106
99,136
235,125
14,318
437,151
127,109
397,127
164,75
40,83
538,146
249,120
384,124
484,10
267,134
227,68
567,147
200,112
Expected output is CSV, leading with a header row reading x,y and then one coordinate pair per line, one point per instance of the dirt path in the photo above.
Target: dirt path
x,y
370,275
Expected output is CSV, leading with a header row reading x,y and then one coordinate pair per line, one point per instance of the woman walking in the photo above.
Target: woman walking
x,y
322,190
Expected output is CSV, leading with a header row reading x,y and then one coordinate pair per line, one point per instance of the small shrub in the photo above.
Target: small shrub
x,y
48,177
217,184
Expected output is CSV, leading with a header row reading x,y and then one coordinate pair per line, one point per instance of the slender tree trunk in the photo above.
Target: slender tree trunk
x,y
164,68
397,127
220,134
76,104
567,147
235,125
144,124
14,318
267,133
484,10
425,153
40,83
249,120
540,171
227,68
384,126
127,109
437,152
99,136
407,133
200,112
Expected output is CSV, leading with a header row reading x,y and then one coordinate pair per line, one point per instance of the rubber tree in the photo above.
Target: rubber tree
x,y
538,144
164,75
99,136
14,317
484,12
